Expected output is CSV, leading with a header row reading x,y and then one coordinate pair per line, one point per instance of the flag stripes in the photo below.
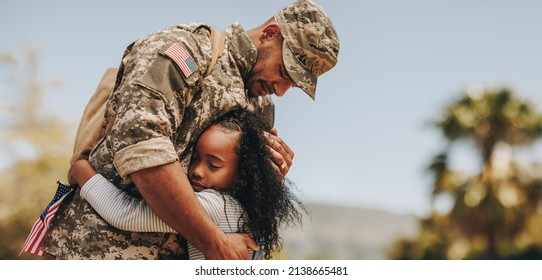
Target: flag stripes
x,y
39,229
182,59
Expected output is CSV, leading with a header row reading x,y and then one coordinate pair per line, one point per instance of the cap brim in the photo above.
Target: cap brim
x,y
303,78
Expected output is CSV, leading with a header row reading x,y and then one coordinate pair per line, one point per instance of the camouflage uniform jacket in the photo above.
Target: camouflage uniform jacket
x,y
154,117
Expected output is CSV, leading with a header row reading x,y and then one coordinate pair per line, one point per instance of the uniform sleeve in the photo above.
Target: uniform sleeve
x,y
141,133
131,214
149,106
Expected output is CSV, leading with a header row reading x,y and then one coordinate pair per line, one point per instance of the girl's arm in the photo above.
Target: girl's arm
x,y
126,212
80,172
120,209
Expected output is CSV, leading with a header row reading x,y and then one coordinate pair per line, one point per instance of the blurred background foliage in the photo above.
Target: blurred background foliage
x,y
495,211
38,140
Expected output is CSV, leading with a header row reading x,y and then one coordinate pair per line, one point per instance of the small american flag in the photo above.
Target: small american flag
x,y
35,238
182,59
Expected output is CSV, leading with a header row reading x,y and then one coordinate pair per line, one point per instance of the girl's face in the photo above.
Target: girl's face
x,y
214,160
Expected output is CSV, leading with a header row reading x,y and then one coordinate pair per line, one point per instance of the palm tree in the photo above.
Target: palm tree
x,y
493,204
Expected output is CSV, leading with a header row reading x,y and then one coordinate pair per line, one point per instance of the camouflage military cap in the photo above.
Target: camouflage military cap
x,y
311,44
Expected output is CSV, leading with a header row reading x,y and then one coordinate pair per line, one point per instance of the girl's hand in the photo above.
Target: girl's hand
x,y
80,172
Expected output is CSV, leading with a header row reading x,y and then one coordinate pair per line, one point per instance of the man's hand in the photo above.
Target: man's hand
x,y
236,248
281,153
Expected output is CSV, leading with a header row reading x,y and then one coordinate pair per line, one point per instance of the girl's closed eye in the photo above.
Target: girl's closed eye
x,y
213,166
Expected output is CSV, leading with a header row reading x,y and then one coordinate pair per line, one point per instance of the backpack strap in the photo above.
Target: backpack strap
x,y
90,129
218,40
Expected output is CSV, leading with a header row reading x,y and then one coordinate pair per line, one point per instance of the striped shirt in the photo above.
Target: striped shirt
x,y
131,214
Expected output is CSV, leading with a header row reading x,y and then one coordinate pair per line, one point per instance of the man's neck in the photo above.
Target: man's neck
x,y
242,48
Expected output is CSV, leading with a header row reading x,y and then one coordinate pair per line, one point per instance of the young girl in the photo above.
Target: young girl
x,y
232,175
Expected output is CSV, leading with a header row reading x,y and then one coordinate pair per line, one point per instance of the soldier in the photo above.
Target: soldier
x,y
162,101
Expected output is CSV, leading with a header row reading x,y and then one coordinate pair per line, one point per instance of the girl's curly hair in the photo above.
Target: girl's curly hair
x,y
268,201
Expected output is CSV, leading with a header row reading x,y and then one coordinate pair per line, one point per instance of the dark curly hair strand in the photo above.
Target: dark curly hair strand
x,y
268,201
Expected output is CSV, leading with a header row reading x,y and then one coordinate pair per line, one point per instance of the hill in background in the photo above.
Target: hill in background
x,y
334,232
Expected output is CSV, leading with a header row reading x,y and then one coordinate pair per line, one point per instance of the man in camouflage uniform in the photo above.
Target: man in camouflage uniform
x,y
162,102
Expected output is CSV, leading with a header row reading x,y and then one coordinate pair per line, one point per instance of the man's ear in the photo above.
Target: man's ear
x,y
270,32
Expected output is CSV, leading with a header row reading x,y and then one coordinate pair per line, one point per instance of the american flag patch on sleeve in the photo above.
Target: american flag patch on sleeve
x,y
182,59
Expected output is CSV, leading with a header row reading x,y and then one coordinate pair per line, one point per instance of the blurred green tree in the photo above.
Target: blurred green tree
x,y
495,207
37,144
431,243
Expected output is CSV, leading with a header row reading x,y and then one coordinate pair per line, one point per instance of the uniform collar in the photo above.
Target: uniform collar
x,y
243,50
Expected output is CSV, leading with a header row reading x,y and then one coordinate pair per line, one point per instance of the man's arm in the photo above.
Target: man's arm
x,y
169,194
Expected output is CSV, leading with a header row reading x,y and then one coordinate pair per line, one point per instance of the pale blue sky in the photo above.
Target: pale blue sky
x,y
365,140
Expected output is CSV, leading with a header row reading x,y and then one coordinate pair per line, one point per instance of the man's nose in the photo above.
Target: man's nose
x,y
282,88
